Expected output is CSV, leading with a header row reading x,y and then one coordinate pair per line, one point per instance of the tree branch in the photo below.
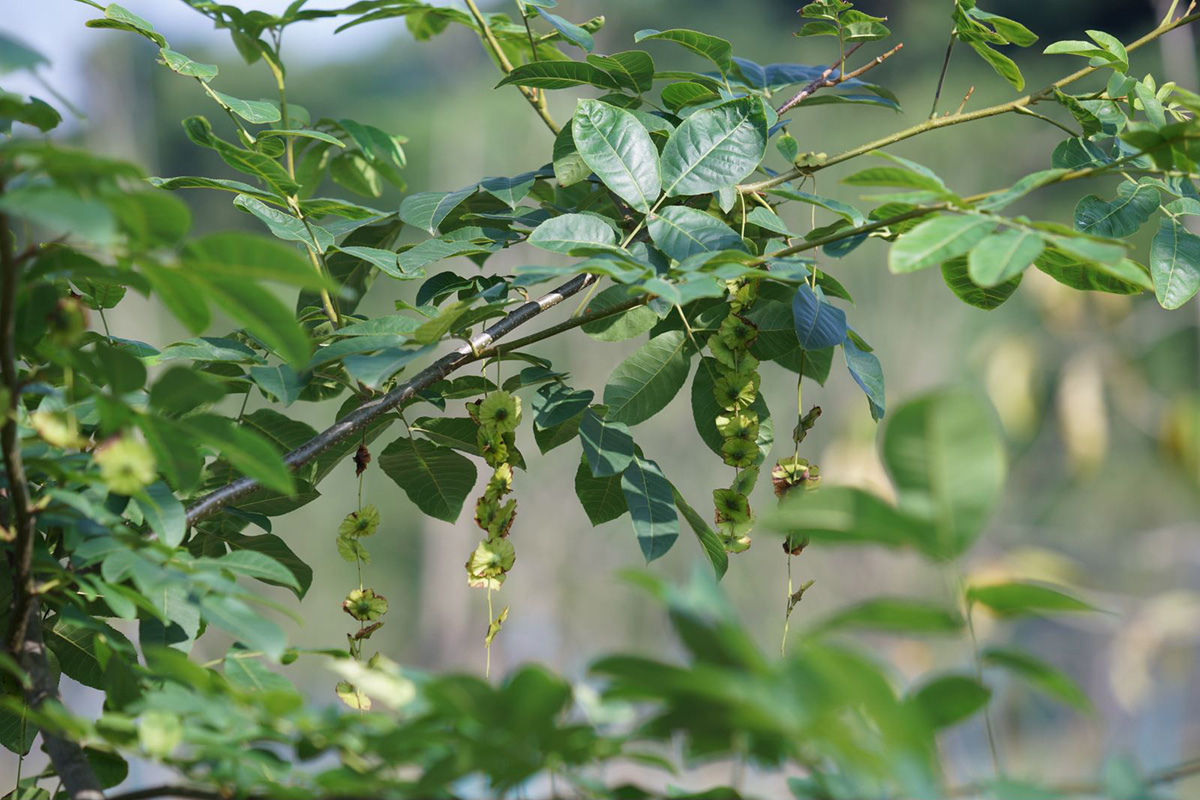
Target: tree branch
x,y
24,640
534,99
820,81
479,347
483,345
823,81
937,94
958,119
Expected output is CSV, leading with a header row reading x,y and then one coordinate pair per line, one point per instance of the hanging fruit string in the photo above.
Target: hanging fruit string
x,y
362,604
736,384
788,476
497,416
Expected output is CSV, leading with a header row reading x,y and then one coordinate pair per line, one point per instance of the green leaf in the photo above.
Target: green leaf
x,y
682,232
219,184
1116,219
258,112
244,257
1087,275
714,48
185,66
120,18
569,167
16,56
248,452
263,314
867,372
709,541
249,162
1112,45
842,515
279,381
1041,675
61,213
427,210
947,462
950,699
73,639
937,240
817,323
651,502
164,513
1023,599
617,147
894,615
715,148
608,446
245,624
568,232
618,327
602,498
302,133
643,384
436,479
569,30
251,675
1174,264
510,191
555,403
376,369
278,551
559,75
897,177
682,94
956,273
285,226
1003,256
254,565
768,220
1004,66
633,69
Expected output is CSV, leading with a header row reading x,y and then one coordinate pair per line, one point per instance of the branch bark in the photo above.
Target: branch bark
x,y
24,640
479,347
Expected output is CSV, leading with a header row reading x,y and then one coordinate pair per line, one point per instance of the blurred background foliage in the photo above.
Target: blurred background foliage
x,y
1099,395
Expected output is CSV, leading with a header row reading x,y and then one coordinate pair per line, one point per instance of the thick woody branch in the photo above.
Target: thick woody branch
x,y
24,640
958,119
479,347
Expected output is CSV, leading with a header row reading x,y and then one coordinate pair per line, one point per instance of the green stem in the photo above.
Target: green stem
x,y
485,30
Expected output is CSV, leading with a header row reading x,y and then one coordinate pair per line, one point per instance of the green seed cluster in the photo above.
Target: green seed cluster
x,y
736,389
497,416
363,604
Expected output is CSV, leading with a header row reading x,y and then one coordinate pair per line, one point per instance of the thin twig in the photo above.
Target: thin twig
x,y
943,122
819,82
872,64
966,97
506,66
1029,112
942,76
